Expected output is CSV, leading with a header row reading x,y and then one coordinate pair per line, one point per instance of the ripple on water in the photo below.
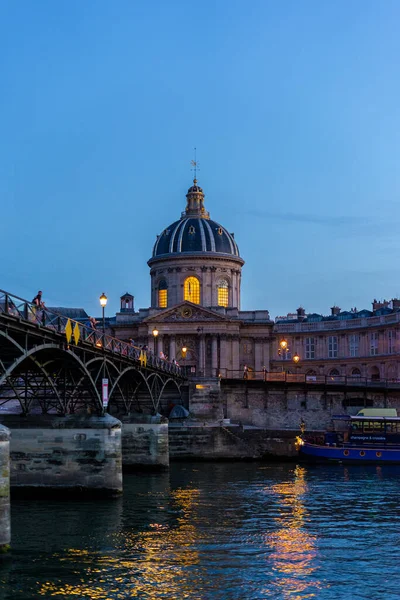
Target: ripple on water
x,y
215,531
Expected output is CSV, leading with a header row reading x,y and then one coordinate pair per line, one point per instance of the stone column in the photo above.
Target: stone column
x,y
214,356
172,349
266,353
224,355
258,358
202,355
159,344
235,356
5,532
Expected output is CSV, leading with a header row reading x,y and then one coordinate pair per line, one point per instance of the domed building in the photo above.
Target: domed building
x,y
195,259
195,272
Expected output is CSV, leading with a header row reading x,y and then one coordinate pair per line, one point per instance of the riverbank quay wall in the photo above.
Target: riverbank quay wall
x,y
279,406
191,441
249,419
75,454
5,528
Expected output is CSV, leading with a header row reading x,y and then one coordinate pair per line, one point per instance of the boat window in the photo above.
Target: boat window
x,y
392,427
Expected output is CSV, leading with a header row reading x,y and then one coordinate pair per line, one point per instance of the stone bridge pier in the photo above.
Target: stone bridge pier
x,y
5,534
68,454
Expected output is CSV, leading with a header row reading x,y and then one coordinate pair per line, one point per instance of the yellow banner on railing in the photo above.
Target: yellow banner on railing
x,y
77,334
68,331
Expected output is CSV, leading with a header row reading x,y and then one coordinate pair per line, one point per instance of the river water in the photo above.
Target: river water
x,y
215,531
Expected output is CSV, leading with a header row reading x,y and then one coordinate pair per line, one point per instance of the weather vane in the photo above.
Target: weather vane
x,y
195,164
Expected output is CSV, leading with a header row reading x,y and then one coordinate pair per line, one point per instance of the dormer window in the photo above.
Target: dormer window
x,y
192,230
166,232
219,230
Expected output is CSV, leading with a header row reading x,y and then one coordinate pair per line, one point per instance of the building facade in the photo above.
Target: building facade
x,y
195,272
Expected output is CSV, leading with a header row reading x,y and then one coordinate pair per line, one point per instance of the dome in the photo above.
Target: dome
x,y
195,235
195,232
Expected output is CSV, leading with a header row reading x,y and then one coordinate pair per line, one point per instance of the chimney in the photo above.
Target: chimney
x,y
377,305
301,313
335,310
396,303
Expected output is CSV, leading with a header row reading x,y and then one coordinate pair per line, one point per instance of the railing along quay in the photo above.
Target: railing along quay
x,y
76,332
350,381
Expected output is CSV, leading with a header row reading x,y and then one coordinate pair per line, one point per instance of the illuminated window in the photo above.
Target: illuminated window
x,y
191,290
162,294
223,292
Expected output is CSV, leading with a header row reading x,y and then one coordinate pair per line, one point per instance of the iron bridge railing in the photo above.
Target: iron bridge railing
x,y
284,377
19,308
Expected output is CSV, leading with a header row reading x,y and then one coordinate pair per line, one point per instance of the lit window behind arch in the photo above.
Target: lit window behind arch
x,y
163,294
223,293
191,290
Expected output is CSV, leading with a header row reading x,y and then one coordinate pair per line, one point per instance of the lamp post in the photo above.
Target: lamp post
x,y
155,334
104,383
103,303
184,350
284,349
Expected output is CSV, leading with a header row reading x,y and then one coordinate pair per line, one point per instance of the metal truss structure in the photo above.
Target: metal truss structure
x,y
52,364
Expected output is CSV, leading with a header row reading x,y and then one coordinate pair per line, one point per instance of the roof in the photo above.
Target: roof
x,y
195,234
71,313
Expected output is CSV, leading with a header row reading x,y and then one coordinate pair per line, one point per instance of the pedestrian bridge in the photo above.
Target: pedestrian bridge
x,y
52,364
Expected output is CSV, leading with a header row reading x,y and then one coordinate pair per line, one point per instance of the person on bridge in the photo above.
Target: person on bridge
x,y
37,301
92,323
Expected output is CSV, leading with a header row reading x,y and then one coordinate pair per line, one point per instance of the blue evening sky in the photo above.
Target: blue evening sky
x,y
294,109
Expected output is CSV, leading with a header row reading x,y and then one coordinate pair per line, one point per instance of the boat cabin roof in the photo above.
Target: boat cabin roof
x,y
362,418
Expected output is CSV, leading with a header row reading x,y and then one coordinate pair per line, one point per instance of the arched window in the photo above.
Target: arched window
x,y
223,293
356,373
163,294
191,290
334,373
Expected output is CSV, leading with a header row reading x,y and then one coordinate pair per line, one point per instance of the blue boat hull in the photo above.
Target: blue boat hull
x,y
347,454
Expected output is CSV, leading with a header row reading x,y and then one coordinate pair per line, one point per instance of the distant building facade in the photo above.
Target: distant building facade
x,y
195,273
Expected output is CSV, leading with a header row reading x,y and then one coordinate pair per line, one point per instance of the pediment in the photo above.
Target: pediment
x,y
186,312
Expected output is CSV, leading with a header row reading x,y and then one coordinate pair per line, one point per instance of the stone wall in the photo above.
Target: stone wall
x,y
75,453
5,533
267,406
144,441
229,442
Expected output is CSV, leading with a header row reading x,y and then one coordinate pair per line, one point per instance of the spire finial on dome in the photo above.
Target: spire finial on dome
x,y
195,166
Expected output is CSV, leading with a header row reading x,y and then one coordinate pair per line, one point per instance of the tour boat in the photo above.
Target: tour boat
x,y
372,436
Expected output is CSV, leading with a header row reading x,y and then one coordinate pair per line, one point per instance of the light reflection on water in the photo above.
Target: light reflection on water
x,y
215,531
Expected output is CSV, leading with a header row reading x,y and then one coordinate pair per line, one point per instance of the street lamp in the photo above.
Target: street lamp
x,y
155,334
283,351
103,303
184,350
